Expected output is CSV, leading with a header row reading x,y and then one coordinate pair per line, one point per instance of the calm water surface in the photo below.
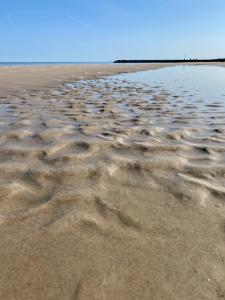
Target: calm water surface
x,y
197,83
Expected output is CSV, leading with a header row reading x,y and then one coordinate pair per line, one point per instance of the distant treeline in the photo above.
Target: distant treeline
x,y
167,60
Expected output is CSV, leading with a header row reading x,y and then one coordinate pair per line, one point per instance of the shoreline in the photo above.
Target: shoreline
x,y
13,79
219,60
109,189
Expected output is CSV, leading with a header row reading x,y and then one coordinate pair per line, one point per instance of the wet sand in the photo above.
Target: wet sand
x,y
109,190
18,78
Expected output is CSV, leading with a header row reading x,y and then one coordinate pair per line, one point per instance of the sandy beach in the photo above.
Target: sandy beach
x,y
17,78
105,195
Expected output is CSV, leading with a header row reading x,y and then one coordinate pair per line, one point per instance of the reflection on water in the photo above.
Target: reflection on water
x,y
5,110
181,94
196,83
169,97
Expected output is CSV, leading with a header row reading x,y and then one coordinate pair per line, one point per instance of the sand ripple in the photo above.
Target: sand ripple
x,y
111,190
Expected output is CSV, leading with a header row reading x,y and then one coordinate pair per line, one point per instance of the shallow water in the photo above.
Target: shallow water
x,y
195,83
5,109
129,168
197,92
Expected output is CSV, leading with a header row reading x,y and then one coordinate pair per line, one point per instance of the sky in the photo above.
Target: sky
x,y
106,30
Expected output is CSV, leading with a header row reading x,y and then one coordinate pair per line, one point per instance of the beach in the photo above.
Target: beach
x,y
108,189
17,78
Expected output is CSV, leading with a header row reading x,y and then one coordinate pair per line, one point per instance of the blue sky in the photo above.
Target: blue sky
x,y
104,30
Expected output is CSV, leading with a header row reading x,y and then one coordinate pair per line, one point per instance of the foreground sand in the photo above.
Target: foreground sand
x,y
107,195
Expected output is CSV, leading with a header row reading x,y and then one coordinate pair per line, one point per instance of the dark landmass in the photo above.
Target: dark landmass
x,y
168,60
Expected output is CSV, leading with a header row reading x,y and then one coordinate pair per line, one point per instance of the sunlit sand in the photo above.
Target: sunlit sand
x,y
109,189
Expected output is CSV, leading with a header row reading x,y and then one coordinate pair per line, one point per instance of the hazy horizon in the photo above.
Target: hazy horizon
x,y
96,31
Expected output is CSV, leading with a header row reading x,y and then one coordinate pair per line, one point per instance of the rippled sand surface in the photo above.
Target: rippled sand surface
x,y
111,190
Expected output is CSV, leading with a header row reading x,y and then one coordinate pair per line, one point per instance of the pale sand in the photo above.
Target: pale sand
x,y
15,78
105,195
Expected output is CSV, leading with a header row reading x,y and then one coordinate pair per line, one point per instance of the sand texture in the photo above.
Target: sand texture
x,y
19,78
110,191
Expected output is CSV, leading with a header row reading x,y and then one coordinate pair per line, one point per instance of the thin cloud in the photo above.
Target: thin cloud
x,y
12,21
